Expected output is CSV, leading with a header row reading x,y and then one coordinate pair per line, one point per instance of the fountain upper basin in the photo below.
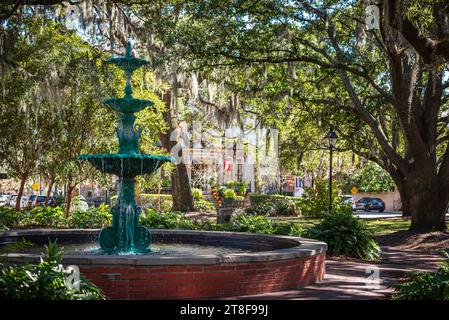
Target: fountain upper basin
x,y
126,165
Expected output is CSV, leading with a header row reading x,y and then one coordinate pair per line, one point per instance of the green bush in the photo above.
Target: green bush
x,y
204,205
315,201
288,229
239,187
149,201
79,204
46,217
46,280
274,205
92,218
197,194
426,285
229,194
346,235
247,223
152,219
9,217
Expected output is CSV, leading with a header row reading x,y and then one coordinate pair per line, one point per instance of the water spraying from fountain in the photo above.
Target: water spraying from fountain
x,y
126,235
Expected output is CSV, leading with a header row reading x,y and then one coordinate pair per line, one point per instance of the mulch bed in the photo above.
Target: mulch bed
x,y
405,239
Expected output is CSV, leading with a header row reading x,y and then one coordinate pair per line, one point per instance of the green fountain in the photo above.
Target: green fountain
x,y
126,235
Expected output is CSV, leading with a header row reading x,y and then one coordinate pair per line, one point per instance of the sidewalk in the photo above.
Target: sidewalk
x,y
347,280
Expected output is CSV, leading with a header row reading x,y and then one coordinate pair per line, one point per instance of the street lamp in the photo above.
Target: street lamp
x,y
331,140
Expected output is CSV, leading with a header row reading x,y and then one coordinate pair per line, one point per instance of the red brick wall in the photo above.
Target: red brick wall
x,y
204,281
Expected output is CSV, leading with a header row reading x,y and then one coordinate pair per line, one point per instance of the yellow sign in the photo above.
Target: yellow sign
x,y
354,190
35,186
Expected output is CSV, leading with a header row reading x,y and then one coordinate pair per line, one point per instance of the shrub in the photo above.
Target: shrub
x,y
315,201
9,217
229,194
92,218
426,285
204,205
239,187
79,204
46,217
197,194
247,223
46,280
274,205
288,229
346,235
168,220
149,201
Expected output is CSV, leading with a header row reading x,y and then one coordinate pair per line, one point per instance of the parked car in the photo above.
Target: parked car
x,y
348,200
13,200
39,200
368,204
4,199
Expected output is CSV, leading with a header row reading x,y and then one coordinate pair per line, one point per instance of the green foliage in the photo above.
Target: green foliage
x,y
10,217
204,205
46,280
248,223
315,201
370,178
239,187
229,194
152,219
197,194
79,204
150,201
92,218
274,205
346,235
16,246
46,217
426,285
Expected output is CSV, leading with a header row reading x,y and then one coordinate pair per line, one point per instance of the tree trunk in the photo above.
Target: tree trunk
x,y
68,199
181,191
422,201
50,186
20,193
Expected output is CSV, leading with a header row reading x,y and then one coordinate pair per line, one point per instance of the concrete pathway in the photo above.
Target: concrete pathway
x,y
349,280
377,215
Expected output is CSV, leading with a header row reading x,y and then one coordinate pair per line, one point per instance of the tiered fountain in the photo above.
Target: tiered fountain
x,y
125,234
189,264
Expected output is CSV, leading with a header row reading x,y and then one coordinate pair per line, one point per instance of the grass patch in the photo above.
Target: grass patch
x,y
382,227
378,226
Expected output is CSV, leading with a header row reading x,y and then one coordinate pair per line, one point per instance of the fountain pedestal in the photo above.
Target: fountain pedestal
x,y
125,234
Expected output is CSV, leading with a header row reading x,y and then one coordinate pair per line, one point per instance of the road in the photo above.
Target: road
x,y
377,215
381,215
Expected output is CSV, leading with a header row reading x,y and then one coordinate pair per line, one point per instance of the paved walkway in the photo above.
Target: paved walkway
x,y
349,280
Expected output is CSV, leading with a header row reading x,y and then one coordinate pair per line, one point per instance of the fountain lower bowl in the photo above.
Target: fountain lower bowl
x,y
268,264
126,165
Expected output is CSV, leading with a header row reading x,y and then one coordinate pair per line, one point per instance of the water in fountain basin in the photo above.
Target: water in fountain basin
x,y
159,249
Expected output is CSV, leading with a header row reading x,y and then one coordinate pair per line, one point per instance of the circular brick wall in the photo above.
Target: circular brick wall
x,y
205,281
278,263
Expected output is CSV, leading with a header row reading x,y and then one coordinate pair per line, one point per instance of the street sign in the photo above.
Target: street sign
x,y
354,190
35,186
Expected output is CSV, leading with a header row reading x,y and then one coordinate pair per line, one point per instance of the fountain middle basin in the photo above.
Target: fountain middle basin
x,y
243,264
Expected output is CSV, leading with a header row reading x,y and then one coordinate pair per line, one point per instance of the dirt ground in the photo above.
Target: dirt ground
x,y
432,242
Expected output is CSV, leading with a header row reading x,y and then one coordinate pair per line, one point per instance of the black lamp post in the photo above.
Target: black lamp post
x,y
331,140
